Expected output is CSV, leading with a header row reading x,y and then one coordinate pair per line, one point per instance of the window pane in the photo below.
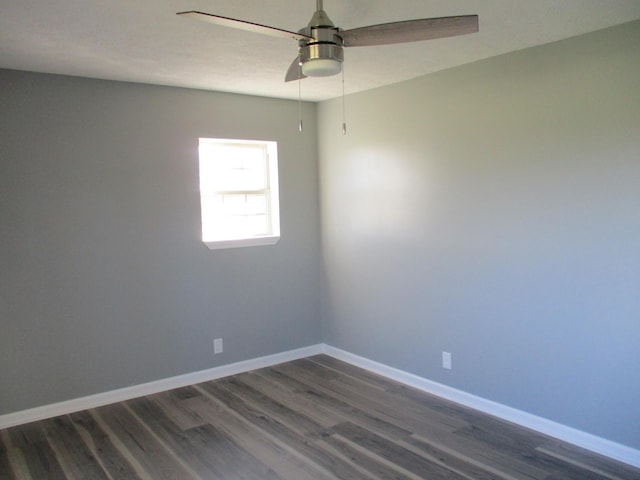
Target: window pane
x,y
256,204
257,223
232,216
227,168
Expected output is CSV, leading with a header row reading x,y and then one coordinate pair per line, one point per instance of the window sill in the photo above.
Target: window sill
x,y
242,242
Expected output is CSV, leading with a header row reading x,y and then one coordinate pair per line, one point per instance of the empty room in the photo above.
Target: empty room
x,y
358,239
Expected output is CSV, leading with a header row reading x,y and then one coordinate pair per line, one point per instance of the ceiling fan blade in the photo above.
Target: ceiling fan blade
x,y
295,71
243,25
410,31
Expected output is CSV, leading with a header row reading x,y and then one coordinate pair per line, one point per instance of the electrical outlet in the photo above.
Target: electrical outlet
x,y
217,345
446,360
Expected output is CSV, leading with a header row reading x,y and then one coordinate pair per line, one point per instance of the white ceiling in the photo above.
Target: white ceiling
x,y
144,41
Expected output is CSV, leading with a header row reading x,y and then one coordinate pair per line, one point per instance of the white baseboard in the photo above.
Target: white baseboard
x,y
576,437
128,393
582,439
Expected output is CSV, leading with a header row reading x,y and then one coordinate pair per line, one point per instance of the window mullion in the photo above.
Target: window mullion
x,y
263,191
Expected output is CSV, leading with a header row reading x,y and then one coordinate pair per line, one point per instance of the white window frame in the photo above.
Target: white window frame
x,y
270,191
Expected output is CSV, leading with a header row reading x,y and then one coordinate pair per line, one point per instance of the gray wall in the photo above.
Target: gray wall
x,y
104,282
493,211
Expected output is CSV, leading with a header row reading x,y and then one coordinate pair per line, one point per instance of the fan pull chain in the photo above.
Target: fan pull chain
x,y
300,97
344,110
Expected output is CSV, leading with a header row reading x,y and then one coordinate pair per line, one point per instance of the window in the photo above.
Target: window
x,y
239,193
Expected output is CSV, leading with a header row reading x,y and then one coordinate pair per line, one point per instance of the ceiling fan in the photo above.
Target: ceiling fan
x,y
320,43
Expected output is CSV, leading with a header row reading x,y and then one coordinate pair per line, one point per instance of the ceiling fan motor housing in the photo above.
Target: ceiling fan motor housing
x,y
322,56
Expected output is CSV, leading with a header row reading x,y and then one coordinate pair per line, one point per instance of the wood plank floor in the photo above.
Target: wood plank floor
x,y
315,418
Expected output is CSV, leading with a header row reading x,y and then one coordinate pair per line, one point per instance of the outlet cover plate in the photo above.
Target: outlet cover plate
x,y
446,360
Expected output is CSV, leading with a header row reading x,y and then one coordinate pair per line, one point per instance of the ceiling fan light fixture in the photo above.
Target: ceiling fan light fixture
x,y
321,67
321,58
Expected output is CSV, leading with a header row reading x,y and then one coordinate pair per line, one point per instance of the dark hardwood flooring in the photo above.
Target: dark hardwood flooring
x,y
315,418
